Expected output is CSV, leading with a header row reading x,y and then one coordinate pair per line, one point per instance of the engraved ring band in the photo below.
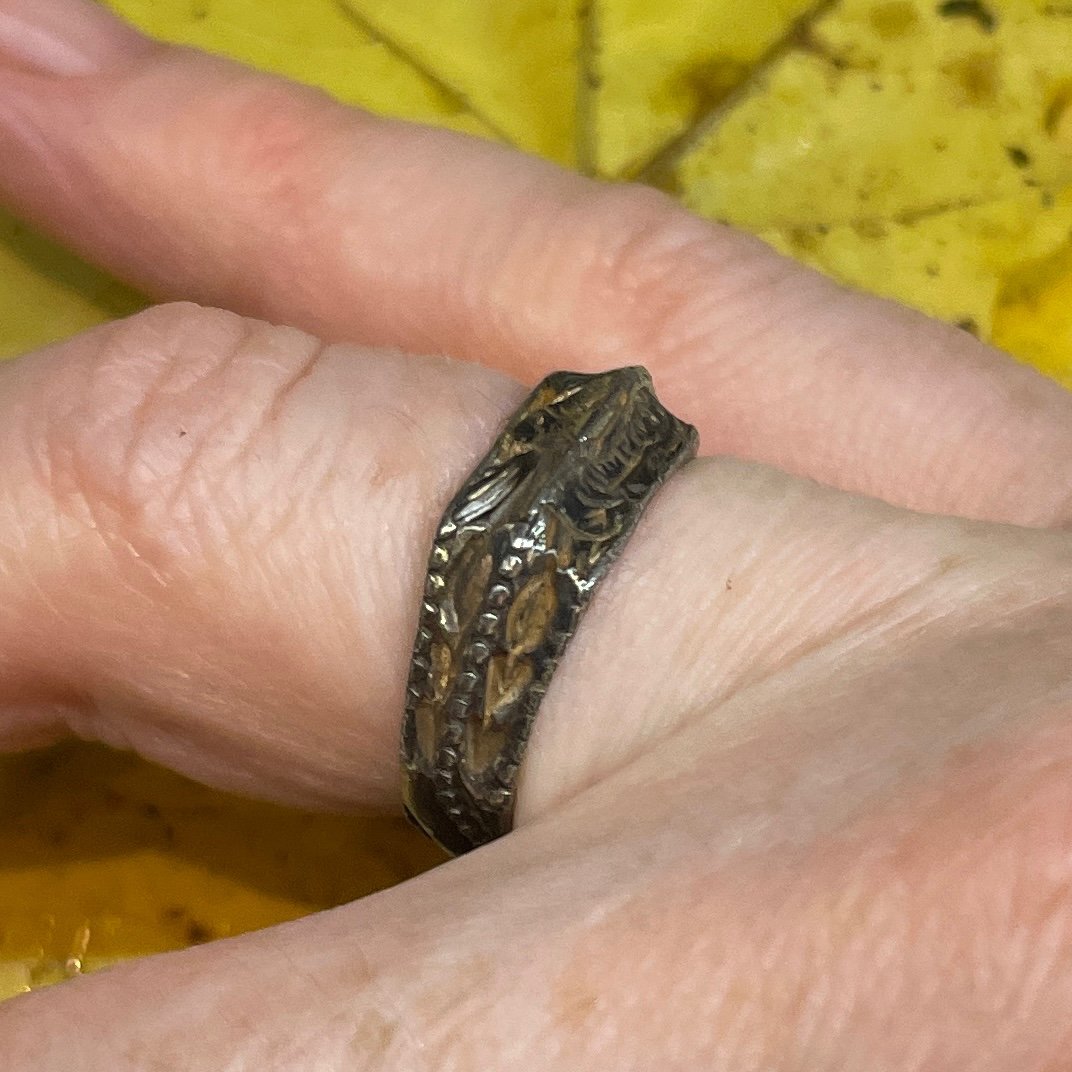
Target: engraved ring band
x,y
515,560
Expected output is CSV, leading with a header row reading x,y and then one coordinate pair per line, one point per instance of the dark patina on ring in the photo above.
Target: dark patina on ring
x,y
515,560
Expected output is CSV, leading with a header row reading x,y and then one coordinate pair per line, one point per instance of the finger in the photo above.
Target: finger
x,y
213,537
213,534
799,899
195,178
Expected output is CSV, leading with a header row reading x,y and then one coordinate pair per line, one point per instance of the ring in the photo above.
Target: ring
x,y
516,558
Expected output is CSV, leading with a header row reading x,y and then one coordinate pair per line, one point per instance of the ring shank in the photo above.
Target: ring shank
x,y
515,560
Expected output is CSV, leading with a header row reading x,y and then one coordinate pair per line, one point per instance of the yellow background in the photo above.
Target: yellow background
x,y
917,149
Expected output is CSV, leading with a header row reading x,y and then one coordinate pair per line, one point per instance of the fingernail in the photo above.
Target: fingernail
x,y
65,37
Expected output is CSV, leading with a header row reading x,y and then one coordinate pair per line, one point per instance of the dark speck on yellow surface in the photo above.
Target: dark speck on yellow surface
x,y
803,239
198,933
893,20
978,12
975,78
870,228
1060,97
1020,158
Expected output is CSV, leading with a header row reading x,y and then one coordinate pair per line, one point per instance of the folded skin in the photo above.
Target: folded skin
x,y
797,797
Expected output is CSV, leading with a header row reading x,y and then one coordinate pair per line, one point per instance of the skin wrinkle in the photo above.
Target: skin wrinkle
x,y
1001,853
61,479
735,732
116,365
639,582
169,431
121,491
295,370
1061,517
883,616
679,286
891,881
267,525
24,128
269,774
193,483
112,734
851,616
305,484
938,465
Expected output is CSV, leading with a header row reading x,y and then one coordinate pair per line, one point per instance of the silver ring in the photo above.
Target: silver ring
x,y
515,560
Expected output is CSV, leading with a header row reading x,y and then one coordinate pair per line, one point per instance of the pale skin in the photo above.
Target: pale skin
x,y
799,795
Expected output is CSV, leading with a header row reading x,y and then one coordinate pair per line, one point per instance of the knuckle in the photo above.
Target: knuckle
x,y
263,142
668,272
267,142
149,417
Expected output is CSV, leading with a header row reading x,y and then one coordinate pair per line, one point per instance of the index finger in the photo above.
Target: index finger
x,y
196,178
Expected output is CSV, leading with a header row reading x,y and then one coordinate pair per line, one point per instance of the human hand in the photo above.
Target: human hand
x,y
797,797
